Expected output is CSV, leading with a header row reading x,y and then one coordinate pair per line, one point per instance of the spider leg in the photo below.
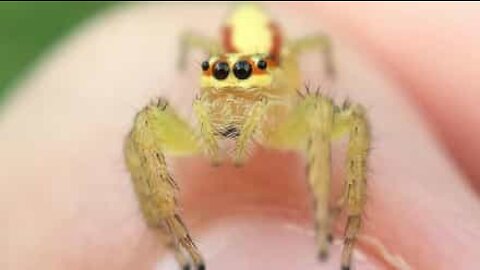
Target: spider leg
x,y
320,122
180,231
354,120
320,42
158,130
311,126
166,236
308,128
190,40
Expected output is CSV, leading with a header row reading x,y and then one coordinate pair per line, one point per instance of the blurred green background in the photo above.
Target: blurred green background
x,y
27,29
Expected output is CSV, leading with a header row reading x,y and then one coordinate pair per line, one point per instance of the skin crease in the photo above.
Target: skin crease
x,y
67,196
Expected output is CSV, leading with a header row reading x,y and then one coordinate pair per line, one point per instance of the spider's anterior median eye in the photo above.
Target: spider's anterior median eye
x,y
242,70
221,70
262,64
205,65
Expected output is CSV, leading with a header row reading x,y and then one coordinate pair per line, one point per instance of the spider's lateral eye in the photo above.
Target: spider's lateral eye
x,y
242,70
221,70
262,64
205,65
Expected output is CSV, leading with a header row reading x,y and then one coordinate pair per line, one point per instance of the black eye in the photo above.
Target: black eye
x,y
221,70
262,64
205,65
242,70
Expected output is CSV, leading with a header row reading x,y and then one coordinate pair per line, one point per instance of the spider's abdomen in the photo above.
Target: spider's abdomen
x,y
251,31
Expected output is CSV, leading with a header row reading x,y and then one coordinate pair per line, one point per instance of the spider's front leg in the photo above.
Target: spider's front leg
x,y
158,130
352,120
320,126
308,128
311,126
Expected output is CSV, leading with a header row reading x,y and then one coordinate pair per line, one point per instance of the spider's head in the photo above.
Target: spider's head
x,y
237,72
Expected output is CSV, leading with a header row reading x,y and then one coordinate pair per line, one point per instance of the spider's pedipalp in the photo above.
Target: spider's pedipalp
x,y
248,129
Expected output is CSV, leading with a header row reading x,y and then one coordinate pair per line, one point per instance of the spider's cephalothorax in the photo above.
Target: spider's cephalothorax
x,y
248,92
234,91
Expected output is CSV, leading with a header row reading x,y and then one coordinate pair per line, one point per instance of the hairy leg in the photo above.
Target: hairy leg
x,y
317,121
353,120
157,130
320,122
309,128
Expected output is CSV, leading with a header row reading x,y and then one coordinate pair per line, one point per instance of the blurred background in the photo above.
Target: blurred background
x,y
29,29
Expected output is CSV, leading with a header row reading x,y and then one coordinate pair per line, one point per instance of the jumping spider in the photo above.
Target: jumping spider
x,y
248,88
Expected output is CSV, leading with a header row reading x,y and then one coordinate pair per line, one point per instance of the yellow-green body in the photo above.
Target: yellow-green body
x,y
266,109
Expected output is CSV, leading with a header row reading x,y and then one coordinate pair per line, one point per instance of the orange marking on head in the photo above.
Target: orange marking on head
x,y
227,39
276,42
271,62
207,72
255,69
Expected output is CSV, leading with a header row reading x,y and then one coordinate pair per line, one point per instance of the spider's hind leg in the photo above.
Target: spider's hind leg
x,y
309,128
320,42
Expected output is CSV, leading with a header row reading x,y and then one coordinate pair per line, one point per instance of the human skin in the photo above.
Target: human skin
x,y
67,197
432,52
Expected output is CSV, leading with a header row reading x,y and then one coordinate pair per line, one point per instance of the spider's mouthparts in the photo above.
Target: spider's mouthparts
x,y
230,132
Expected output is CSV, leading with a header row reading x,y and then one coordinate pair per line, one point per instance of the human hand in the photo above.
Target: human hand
x,y
69,201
